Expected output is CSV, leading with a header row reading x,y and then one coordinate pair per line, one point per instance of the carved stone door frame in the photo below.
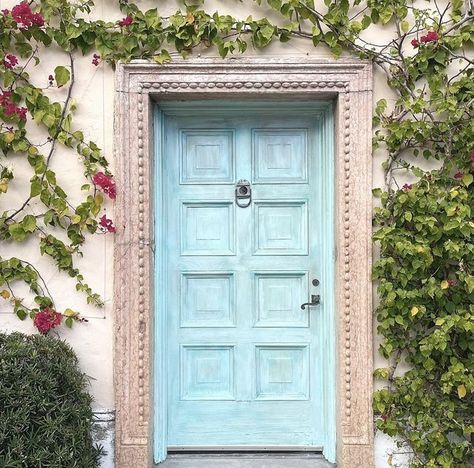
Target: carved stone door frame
x,y
138,85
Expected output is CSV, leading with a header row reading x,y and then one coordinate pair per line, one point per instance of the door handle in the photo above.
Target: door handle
x,y
315,300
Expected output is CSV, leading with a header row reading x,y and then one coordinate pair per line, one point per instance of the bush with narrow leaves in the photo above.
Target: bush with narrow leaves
x,y
45,409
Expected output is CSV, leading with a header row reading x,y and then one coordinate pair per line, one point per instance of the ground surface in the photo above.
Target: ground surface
x,y
245,461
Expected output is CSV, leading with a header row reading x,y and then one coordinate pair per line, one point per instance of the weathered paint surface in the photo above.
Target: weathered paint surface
x,y
246,365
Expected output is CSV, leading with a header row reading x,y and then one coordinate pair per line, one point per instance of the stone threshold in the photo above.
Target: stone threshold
x,y
245,460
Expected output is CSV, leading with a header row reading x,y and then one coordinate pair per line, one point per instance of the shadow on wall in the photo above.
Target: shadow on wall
x,y
103,434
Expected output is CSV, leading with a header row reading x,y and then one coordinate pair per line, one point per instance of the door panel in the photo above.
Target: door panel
x,y
244,361
279,156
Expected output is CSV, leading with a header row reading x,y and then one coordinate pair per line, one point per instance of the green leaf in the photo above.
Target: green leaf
x,y
49,120
5,294
404,26
8,78
62,75
366,21
467,179
386,14
470,283
78,135
29,223
381,106
275,4
35,188
163,57
17,232
50,177
377,192
8,137
21,314
462,391
70,313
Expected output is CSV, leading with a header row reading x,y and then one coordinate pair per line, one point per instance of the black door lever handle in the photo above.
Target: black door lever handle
x,y
315,300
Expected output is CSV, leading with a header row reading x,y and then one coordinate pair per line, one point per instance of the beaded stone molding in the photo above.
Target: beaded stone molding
x,y
138,84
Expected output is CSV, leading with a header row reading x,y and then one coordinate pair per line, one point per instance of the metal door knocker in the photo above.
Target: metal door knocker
x,y
243,193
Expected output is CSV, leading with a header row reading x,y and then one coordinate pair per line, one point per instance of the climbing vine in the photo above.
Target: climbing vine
x,y
424,224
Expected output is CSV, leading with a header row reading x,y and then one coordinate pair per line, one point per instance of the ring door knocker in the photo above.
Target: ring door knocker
x,y
243,194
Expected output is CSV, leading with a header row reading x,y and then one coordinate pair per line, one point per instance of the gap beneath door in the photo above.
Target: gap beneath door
x,y
245,460
294,449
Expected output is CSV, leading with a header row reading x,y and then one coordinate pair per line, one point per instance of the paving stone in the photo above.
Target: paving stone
x,y
245,461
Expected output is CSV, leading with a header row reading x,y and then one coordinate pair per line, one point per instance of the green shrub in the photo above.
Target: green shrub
x,y
45,410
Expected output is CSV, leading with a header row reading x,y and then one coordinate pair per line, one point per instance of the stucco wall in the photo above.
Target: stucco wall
x,y
93,91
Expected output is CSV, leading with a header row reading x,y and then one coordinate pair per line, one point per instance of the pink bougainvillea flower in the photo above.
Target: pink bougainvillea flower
x,y
452,282
37,19
415,43
107,224
431,36
5,97
21,12
10,61
24,17
47,319
21,112
407,187
127,21
5,12
95,59
10,108
106,184
459,175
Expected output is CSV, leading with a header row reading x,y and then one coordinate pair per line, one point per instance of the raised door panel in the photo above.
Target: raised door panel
x,y
280,156
207,299
280,228
207,156
207,228
277,298
207,372
282,372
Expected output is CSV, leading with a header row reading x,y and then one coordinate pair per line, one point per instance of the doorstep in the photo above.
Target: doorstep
x,y
245,460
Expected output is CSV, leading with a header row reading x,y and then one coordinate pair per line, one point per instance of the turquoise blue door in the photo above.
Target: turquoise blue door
x,y
245,363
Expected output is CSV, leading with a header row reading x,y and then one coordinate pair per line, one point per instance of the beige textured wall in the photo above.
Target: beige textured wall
x,y
93,91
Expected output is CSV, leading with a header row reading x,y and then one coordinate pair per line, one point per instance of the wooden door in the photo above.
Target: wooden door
x,y
245,364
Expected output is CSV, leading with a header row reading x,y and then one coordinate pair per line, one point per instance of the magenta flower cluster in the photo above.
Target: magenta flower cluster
x,y
10,108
